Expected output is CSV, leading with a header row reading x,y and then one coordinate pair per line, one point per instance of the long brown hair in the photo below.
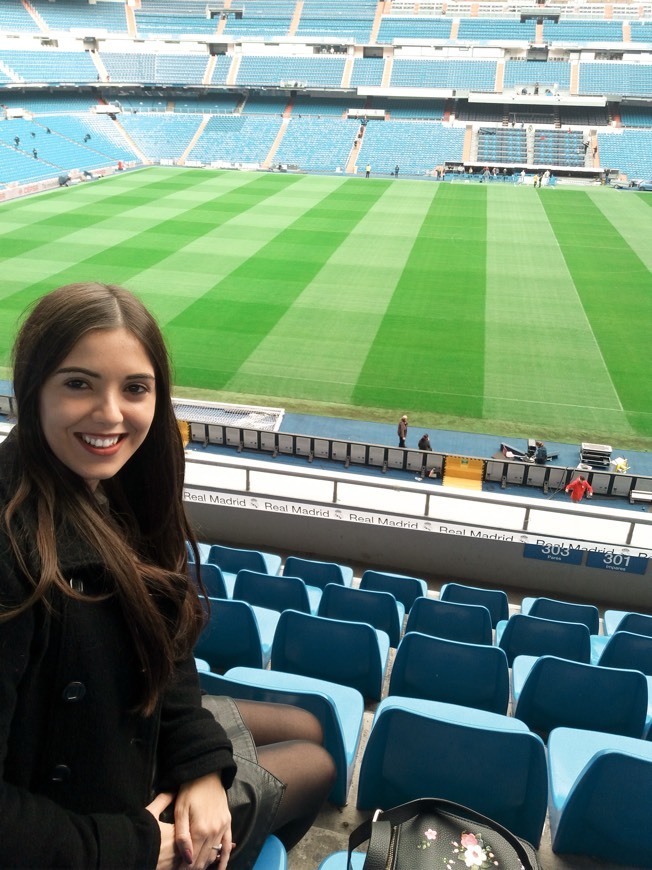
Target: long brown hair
x,y
143,543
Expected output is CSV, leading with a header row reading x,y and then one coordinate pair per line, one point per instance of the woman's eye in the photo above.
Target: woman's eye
x,y
137,388
76,384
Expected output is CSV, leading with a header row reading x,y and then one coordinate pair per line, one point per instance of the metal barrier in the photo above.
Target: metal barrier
x,y
506,472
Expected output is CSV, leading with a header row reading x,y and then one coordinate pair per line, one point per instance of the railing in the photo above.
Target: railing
x,y
255,484
506,472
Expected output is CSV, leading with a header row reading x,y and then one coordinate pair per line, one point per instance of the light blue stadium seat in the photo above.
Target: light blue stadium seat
x,y
352,653
338,861
551,692
276,591
272,856
317,573
623,649
472,675
405,589
230,560
600,796
203,552
379,609
338,708
626,620
420,748
495,600
468,623
212,578
533,636
564,611
236,634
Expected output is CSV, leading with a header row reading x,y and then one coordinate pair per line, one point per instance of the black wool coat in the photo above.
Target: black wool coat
x,y
77,765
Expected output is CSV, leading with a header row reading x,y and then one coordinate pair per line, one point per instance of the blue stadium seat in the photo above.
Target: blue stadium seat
x,y
420,748
317,573
469,623
472,675
625,620
236,634
272,856
276,592
338,708
495,600
405,589
624,649
230,560
551,692
533,636
600,796
564,611
212,578
379,609
352,653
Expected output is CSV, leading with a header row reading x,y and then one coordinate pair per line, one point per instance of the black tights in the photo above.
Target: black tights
x,y
289,744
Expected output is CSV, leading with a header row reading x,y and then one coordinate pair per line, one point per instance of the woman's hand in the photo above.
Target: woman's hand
x,y
202,822
167,857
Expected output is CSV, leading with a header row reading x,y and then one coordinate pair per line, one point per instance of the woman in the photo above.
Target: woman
x,y
108,758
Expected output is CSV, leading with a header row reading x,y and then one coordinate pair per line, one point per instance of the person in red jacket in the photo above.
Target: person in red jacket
x,y
578,487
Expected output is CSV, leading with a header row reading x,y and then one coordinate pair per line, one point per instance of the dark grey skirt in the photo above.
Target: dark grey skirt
x,y
255,794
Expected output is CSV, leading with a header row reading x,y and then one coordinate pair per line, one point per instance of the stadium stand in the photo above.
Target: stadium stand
x,y
478,75
615,78
261,18
236,139
162,137
50,66
583,31
498,145
64,15
288,102
393,28
496,29
337,18
15,18
536,72
220,68
417,146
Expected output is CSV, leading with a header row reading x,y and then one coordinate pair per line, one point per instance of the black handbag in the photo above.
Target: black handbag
x,y
431,832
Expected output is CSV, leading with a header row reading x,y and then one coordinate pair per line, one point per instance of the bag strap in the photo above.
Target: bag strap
x,y
379,829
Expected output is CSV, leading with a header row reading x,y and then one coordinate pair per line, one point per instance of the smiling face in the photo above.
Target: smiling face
x,y
98,405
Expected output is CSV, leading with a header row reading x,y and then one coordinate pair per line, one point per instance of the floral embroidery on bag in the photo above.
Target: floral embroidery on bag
x,y
473,851
430,837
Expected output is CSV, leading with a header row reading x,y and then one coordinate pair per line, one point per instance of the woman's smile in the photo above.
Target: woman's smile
x,y
98,406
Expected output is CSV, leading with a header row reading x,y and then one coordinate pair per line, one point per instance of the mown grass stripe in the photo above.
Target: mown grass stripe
x,y
631,215
614,287
344,304
540,349
170,286
130,251
428,355
241,310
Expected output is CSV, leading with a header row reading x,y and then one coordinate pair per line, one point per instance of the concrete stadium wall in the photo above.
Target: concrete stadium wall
x,y
436,557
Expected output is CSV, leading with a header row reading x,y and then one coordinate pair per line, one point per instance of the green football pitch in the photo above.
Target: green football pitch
x,y
493,308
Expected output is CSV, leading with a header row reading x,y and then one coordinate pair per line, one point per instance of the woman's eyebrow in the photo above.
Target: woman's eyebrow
x,y
67,370
78,370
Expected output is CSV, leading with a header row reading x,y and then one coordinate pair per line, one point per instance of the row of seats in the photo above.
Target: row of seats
x,y
55,66
154,20
424,741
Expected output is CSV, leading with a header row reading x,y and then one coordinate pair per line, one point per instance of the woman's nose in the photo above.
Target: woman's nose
x,y
108,408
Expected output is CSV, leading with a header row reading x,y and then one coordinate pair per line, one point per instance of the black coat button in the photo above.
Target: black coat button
x,y
74,691
60,773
